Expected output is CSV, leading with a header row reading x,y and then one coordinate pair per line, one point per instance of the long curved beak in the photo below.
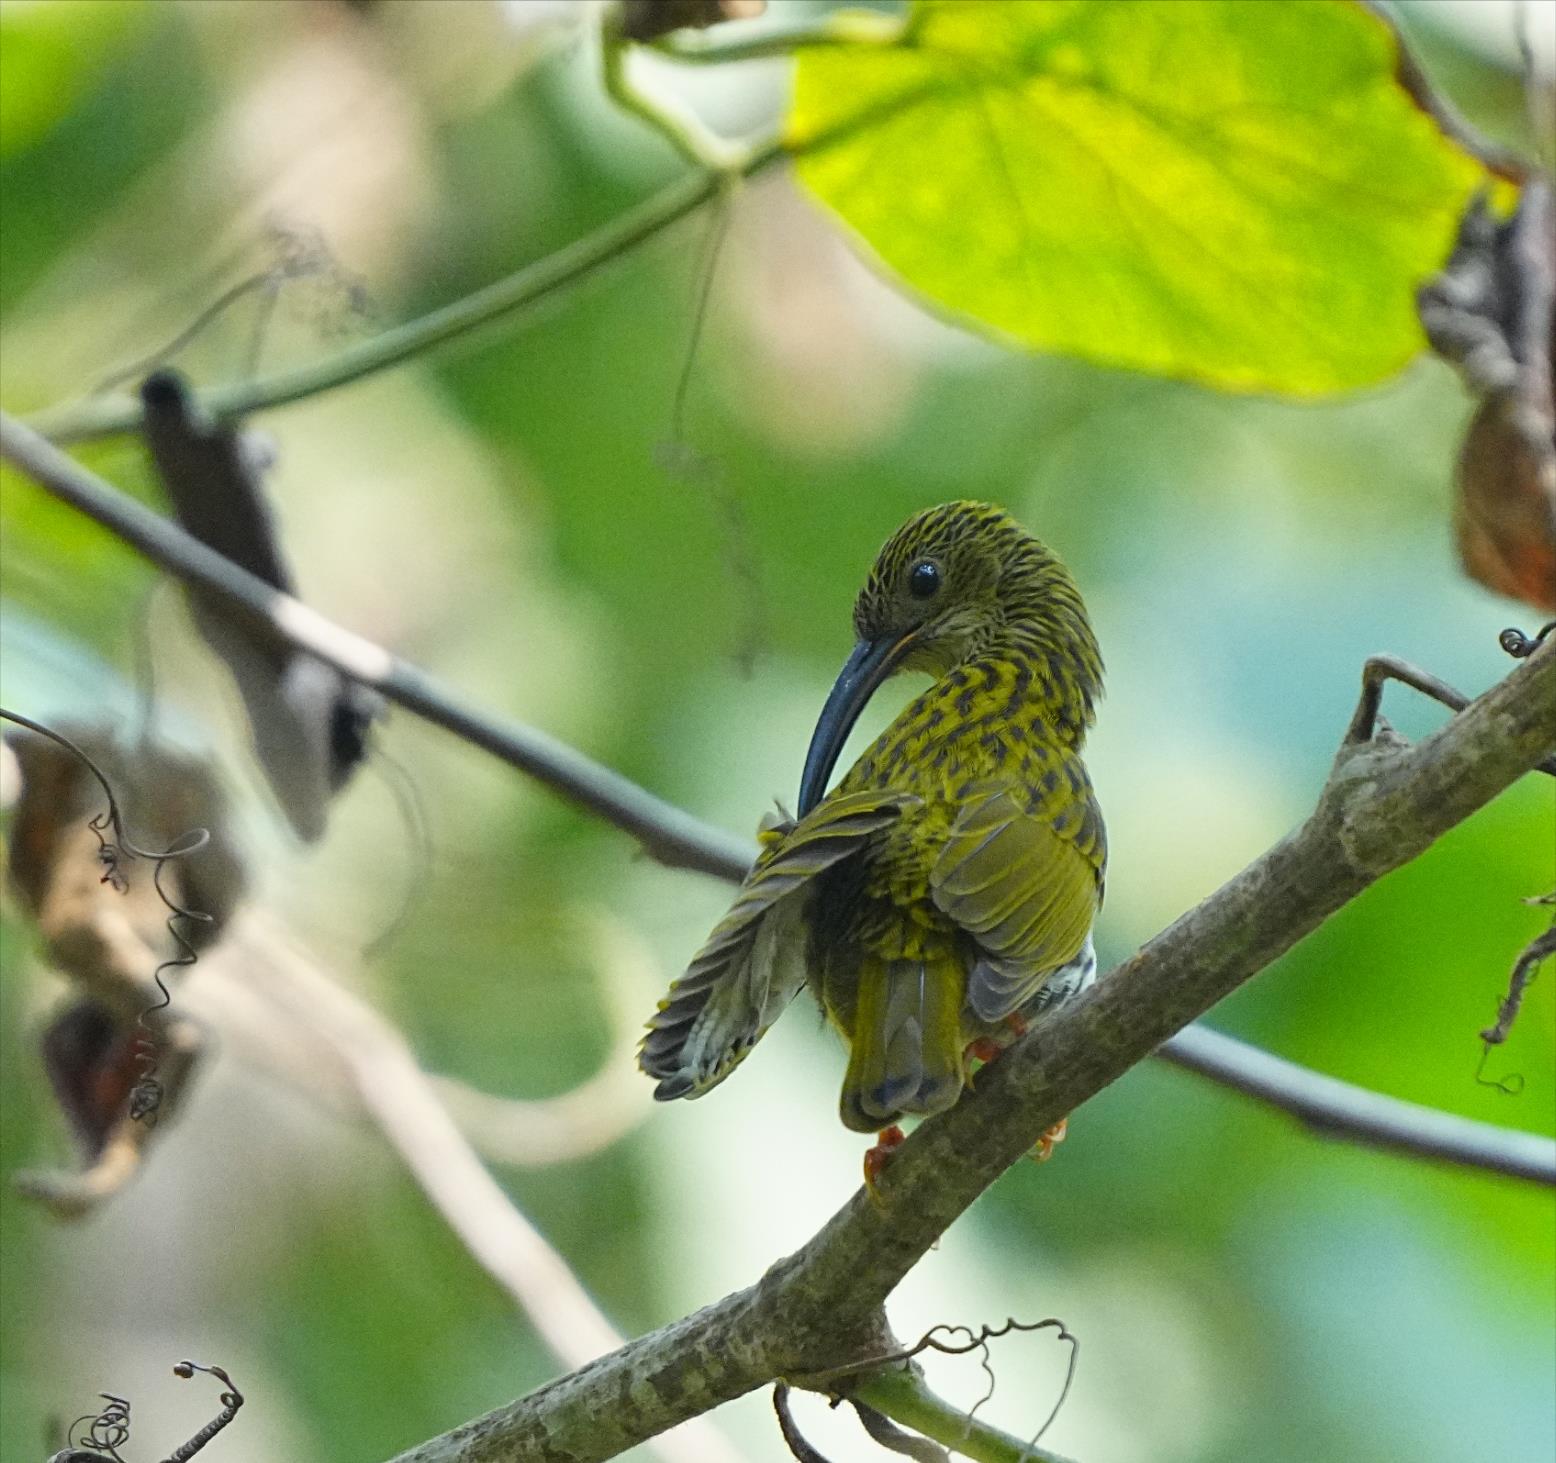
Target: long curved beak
x,y
870,662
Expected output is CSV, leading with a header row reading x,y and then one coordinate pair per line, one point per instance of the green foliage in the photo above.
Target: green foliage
x,y
52,55
1238,194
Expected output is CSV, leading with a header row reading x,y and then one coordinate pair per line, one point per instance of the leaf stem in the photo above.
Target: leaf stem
x,y
901,1394
109,416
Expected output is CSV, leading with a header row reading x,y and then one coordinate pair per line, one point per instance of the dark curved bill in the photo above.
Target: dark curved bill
x,y
870,662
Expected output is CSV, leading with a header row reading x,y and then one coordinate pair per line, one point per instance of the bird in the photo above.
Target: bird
x,y
942,895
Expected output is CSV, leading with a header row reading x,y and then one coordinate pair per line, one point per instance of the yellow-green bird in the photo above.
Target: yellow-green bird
x,y
944,892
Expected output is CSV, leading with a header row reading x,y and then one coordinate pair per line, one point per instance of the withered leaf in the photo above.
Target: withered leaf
x,y
309,723
1490,313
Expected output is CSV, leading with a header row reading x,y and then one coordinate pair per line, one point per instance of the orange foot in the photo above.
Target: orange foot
x,y
1050,1140
984,1049
889,1140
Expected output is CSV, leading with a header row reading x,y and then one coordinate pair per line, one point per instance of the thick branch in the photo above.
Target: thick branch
x,y
675,838
1383,806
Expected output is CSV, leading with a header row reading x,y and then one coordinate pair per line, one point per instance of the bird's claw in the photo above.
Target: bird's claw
x,y
887,1143
1050,1140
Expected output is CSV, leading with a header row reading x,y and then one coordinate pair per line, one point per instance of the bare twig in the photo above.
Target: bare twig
x,y
670,835
1381,668
1536,952
231,1399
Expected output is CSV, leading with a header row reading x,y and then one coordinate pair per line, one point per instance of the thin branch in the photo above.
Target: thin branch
x,y
819,1308
1381,668
106,416
401,1100
1535,954
669,835
1332,1107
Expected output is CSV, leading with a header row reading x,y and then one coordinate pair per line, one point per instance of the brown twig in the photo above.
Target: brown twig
x,y
1536,952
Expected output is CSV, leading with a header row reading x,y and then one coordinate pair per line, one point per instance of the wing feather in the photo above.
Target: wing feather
x,y
753,963
1022,873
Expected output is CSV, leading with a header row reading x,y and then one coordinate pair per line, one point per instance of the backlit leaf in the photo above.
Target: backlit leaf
x,y
1237,193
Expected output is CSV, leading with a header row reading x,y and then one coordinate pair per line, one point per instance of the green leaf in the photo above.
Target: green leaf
x,y
53,54
1236,193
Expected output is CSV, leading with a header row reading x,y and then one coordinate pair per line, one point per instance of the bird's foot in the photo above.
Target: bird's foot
x,y
985,1048
887,1143
1050,1140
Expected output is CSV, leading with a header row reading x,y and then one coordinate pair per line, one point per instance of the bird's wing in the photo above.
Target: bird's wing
x,y
1022,873
754,961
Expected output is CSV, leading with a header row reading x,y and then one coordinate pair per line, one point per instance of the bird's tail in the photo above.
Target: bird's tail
x,y
906,1053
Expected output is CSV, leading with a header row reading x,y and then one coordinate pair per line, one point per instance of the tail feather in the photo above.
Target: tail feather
x,y
906,1052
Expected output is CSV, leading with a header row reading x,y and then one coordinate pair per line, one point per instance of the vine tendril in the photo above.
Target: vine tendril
x,y
112,854
106,1430
1521,646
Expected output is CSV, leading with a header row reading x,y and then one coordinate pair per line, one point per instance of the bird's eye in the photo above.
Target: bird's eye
x,y
923,579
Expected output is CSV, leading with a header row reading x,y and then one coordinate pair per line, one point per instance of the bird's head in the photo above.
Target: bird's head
x,y
956,582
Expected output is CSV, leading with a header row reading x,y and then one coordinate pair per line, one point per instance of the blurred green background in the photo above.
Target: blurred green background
x,y
512,514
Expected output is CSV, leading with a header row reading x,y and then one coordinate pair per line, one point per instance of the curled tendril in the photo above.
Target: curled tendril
x,y
412,811
941,1338
1520,646
110,1428
114,850
231,1398
1512,1084
146,1096
105,1430
979,1341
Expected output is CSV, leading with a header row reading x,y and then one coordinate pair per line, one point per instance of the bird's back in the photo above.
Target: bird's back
x,y
894,936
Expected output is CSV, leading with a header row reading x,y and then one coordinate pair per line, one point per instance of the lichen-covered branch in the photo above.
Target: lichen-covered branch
x,y
1383,805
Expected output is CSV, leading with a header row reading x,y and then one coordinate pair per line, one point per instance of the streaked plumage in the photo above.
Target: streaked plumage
x,y
948,884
